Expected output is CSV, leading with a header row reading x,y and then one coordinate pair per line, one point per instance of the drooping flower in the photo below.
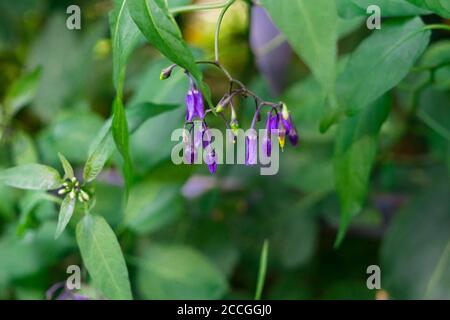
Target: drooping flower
x,y
251,149
271,124
290,130
211,159
194,104
281,132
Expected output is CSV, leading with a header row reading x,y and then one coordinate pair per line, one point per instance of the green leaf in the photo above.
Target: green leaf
x,y
125,37
22,91
161,30
440,7
437,55
31,176
178,272
415,254
302,22
262,270
380,62
102,146
121,138
68,170
389,8
153,205
65,213
103,258
355,151
23,148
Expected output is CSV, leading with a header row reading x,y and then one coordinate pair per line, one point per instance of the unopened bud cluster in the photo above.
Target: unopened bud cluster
x,y
73,188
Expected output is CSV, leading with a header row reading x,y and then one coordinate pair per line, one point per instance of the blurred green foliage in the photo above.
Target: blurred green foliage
x,y
384,166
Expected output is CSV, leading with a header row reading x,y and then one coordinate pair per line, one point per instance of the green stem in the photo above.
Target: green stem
x,y
437,27
219,23
198,7
262,270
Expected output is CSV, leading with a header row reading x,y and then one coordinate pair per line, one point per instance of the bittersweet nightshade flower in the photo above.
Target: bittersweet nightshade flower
x,y
290,130
251,149
271,124
194,104
281,132
211,159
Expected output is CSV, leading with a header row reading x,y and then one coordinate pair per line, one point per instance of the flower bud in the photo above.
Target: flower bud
x,y
166,73
84,195
284,111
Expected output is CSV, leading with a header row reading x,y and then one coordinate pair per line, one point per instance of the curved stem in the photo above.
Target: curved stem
x,y
219,23
437,27
197,7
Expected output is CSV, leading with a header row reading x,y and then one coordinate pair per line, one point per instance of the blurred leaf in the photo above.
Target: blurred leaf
x,y
27,205
65,213
295,238
70,134
434,111
103,257
302,22
440,7
153,205
161,30
125,37
22,91
437,55
178,272
416,251
68,170
380,62
389,8
355,151
37,251
23,149
65,59
31,176
102,146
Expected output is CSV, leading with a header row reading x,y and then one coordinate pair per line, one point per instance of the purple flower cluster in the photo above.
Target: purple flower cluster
x,y
195,111
279,122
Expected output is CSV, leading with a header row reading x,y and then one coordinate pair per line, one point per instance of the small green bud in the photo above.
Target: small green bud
x,y
80,198
285,111
219,108
84,195
62,191
72,194
166,73
234,124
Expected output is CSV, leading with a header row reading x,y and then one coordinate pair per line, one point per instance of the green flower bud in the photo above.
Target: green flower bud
x,y
285,111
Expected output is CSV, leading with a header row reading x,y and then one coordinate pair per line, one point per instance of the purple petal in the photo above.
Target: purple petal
x,y
251,150
199,105
190,106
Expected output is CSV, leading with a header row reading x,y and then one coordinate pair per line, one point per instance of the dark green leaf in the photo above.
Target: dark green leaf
x,y
355,150
161,30
389,8
415,256
65,213
103,258
178,272
31,176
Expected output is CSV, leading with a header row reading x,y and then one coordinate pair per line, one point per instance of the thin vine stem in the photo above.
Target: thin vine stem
x,y
219,24
197,7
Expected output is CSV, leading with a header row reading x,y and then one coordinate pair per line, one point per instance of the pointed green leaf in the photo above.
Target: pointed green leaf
x,y
161,30
311,28
440,7
381,61
31,176
68,170
355,150
65,213
102,147
103,258
262,270
125,37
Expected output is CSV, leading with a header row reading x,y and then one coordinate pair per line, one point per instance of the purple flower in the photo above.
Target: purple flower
x,y
194,104
211,159
281,132
290,130
271,124
251,149
189,152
